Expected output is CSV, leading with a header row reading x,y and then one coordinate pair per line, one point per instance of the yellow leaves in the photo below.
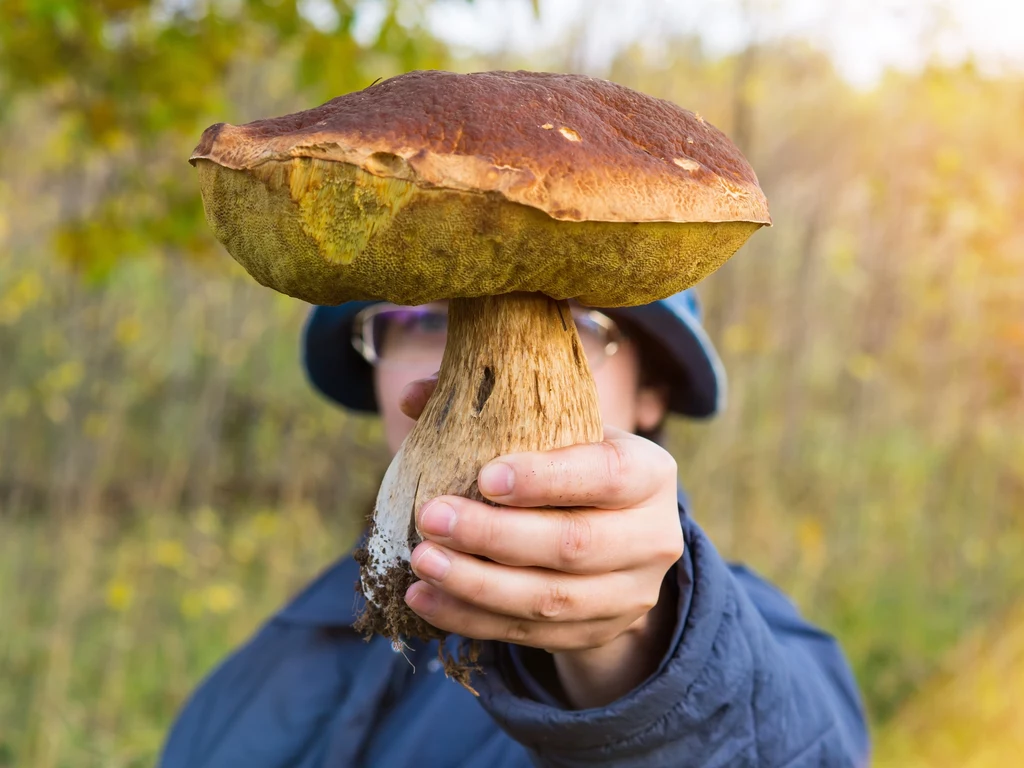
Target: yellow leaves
x,y
191,605
15,402
169,553
119,595
63,378
128,330
265,524
862,367
754,336
811,541
251,535
56,385
20,297
57,409
222,598
737,339
948,160
219,598
243,549
207,521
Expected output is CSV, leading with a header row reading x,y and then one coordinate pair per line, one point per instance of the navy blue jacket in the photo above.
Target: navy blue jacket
x,y
745,682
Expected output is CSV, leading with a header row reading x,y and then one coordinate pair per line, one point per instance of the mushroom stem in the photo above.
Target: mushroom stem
x,y
513,378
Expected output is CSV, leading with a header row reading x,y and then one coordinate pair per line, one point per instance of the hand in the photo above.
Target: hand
x,y
572,580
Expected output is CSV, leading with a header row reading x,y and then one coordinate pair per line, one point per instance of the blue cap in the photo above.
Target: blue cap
x,y
692,368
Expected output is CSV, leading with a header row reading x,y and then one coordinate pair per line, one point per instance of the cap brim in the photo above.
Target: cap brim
x,y
332,364
693,370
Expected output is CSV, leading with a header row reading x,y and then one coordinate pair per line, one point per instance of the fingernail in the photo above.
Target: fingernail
x,y
432,563
496,479
437,518
421,598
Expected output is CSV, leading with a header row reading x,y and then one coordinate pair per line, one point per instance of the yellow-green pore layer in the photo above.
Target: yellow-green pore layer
x,y
328,232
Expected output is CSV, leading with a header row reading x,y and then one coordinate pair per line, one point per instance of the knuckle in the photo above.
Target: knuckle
x,y
553,601
596,636
647,601
669,466
616,465
516,632
672,546
575,539
477,589
481,533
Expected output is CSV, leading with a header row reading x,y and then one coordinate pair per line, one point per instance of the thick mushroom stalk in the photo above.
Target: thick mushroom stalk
x,y
513,378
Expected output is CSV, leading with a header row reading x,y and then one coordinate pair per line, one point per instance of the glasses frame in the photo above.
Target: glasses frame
x,y
362,329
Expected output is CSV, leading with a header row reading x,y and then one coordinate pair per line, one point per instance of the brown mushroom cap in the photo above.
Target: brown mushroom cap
x,y
436,185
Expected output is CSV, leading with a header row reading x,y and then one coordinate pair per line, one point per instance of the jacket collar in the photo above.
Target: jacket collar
x,y
330,600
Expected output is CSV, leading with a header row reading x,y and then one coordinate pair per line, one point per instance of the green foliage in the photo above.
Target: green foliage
x,y
129,85
167,477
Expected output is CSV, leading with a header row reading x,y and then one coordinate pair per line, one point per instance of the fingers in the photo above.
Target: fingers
x,y
621,471
415,395
534,594
568,540
453,615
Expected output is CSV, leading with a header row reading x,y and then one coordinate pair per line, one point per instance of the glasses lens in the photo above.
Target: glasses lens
x,y
594,337
416,335
410,334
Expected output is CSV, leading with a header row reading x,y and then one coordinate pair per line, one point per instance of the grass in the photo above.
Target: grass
x,y
117,620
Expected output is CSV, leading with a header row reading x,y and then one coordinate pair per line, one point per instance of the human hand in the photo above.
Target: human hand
x,y
573,579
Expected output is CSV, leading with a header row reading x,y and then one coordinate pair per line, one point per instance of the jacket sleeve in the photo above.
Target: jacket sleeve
x,y
745,682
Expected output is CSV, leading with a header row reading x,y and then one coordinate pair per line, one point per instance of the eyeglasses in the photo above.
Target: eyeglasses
x,y
387,333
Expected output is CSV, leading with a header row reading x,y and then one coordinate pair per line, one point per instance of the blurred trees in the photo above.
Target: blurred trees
x,y
140,372
104,102
970,715
122,90
871,458
154,420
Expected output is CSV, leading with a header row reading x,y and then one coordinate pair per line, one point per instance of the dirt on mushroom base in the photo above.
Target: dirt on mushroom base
x,y
383,615
384,597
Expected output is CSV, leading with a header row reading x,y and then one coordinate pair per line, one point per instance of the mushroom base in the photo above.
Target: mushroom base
x,y
386,612
514,377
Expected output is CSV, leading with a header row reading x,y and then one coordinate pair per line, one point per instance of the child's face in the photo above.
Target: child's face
x,y
412,347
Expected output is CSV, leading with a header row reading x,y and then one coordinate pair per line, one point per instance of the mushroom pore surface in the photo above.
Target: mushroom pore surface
x,y
329,232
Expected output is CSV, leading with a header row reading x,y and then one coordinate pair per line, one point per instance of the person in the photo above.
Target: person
x,y
614,633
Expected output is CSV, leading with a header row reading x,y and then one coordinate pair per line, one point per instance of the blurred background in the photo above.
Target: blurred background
x,y
167,477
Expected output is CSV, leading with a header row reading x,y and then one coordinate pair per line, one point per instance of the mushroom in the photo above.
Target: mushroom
x,y
506,193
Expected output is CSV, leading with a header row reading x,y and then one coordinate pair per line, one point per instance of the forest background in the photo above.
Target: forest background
x,y
168,478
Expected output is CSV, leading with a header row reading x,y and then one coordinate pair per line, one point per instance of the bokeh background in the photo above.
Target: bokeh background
x,y
167,478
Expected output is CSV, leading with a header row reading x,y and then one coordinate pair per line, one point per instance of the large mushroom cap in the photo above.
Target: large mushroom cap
x,y
436,185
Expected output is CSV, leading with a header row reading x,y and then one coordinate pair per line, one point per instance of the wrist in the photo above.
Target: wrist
x,y
596,677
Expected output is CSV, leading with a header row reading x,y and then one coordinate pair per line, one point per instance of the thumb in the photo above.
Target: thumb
x,y
414,397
